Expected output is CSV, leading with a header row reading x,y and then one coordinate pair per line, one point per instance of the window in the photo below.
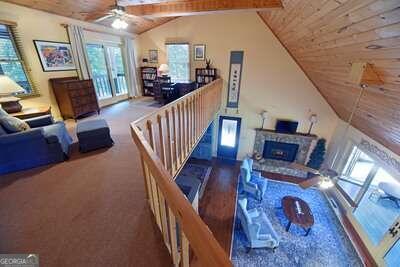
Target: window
x,y
11,62
178,62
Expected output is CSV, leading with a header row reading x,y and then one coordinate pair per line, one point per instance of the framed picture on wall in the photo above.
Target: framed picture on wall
x,y
153,56
199,52
55,56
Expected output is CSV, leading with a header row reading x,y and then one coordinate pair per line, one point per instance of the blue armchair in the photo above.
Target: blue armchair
x,y
256,226
251,182
45,143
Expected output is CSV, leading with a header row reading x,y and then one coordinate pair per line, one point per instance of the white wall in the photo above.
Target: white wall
x,y
271,79
38,25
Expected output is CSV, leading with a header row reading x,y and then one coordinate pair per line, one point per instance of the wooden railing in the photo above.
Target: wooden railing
x,y
165,140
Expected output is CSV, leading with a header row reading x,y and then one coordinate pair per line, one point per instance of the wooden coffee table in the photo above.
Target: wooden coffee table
x,y
298,212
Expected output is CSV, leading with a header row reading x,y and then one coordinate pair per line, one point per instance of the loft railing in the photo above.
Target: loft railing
x,y
165,140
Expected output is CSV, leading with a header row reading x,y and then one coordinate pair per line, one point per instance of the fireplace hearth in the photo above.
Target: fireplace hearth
x,y
279,150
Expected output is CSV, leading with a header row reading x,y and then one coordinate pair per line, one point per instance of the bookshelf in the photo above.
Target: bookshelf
x,y
205,76
149,76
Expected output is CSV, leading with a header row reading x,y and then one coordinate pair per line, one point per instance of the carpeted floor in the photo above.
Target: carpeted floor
x,y
87,211
327,244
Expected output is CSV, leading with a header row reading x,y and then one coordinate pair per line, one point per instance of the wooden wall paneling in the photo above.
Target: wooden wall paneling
x,y
326,42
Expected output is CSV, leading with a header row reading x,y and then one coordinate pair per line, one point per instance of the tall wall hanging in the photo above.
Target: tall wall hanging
x,y
235,78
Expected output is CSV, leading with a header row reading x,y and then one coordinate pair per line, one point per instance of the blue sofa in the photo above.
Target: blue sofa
x,y
251,182
45,143
256,226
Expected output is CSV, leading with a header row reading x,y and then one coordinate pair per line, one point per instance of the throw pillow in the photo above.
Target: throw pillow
x,y
13,125
3,113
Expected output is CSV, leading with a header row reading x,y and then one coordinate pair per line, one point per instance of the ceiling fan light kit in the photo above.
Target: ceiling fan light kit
x,y
119,24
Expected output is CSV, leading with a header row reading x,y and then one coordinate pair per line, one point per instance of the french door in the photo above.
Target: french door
x,y
108,73
374,210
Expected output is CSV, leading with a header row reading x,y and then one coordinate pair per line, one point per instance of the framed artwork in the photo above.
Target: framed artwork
x,y
153,56
199,52
55,56
235,78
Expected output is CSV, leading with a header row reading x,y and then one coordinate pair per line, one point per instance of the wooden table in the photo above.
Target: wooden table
x,y
298,212
27,113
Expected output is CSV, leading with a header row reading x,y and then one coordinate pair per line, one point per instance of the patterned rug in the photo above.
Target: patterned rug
x,y
326,245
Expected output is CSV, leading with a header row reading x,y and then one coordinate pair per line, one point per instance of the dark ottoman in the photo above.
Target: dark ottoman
x,y
93,134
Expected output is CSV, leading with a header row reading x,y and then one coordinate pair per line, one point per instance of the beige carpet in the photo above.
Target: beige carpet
x,y
87,211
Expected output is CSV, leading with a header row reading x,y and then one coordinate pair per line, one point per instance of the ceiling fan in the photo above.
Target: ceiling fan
x,y
324,179
121,18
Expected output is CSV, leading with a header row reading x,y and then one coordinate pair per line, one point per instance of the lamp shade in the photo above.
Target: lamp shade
x,y
163,68
8,86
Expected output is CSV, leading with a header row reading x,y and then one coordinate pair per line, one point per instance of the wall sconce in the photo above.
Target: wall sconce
x,y
313,119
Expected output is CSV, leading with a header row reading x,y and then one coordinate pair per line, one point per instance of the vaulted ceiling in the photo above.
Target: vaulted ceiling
x,y
326,36
144,14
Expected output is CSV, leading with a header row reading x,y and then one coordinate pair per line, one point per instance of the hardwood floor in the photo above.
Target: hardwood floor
x,y
217,206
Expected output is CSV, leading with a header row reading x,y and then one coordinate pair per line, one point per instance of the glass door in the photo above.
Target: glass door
x,y
99,70
108,72
117,70
374,197
228,138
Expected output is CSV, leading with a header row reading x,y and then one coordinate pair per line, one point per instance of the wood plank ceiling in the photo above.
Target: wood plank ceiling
x,y
326,36
81,9
147,14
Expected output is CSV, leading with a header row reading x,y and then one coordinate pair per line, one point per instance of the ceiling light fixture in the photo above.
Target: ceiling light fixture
x,y
119,24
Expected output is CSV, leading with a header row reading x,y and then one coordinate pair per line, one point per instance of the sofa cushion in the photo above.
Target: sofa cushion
x,y
13,125
243,209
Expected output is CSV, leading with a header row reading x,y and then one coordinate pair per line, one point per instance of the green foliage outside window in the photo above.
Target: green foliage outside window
x,y
178,62
10,62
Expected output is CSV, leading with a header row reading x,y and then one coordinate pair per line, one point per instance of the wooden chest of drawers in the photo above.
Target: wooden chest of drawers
x,y
75,97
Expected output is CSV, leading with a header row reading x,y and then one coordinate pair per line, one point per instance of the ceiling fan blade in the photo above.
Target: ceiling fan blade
x,y
131,16
310,182
304,168
104,17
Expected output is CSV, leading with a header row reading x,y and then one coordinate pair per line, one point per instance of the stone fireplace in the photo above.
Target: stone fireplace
x,y
278,150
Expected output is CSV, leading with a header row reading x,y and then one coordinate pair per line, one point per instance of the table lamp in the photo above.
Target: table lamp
x,y
163,69
313,119
8,88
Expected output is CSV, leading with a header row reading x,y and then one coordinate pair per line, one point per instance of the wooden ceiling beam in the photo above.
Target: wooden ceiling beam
x,y
195,7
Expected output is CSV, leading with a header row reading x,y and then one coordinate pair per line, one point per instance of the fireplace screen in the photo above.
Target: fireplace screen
x,y
280,151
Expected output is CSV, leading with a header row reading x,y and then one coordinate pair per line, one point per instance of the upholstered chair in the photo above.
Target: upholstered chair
x,y
251,182
257,227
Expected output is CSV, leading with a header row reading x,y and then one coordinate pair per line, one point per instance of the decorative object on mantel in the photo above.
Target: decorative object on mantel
x,y
8,89
55,56
235,77
382,155
264,116
313,120
199,52
317,155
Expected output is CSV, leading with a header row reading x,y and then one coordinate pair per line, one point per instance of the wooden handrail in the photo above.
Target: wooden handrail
x,y
164,151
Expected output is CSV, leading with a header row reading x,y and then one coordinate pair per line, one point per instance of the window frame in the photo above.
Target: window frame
x,y
189,63
15,40
377,164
